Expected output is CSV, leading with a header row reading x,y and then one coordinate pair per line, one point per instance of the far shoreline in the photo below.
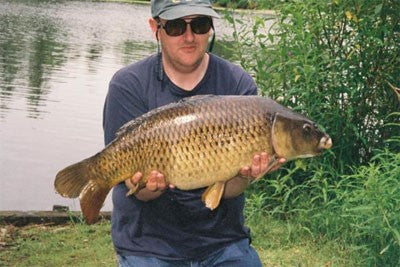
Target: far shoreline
x,y
265,12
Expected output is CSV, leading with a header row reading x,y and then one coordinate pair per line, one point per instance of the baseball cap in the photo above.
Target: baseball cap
x,y
173,9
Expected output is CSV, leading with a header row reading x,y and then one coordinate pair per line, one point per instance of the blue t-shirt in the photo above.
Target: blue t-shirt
x,y
176,225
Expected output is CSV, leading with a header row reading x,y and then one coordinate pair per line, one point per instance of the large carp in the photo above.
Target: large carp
x,y
201,141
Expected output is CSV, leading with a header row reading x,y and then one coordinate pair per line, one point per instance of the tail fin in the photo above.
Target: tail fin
x,y
74,181
70,181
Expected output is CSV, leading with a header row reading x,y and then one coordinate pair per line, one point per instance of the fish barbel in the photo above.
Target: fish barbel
x,y
201,141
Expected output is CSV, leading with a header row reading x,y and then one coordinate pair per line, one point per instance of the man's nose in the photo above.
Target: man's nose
x,y
189,35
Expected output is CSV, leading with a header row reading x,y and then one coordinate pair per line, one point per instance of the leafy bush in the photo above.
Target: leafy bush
x,y
333,61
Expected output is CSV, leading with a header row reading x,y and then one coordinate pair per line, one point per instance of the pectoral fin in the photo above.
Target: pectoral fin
x,y
213,194
133,190
272,163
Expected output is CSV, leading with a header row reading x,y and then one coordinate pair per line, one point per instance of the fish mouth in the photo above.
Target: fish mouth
x,y
325,143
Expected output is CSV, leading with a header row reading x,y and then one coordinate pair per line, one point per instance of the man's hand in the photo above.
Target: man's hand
x,y
155,186
261,164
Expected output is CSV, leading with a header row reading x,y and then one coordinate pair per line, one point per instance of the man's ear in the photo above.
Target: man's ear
x,y
153,26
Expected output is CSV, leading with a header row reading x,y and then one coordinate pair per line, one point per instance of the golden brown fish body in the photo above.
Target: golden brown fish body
x,y
197,142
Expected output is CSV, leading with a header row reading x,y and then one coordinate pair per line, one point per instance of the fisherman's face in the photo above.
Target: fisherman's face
x,y
186,50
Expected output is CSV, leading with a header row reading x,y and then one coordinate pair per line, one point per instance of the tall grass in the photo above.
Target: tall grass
x,y
365,211
332,60
360,210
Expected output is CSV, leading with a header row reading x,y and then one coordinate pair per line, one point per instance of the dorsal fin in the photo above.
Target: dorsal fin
x,y
196,98
139,120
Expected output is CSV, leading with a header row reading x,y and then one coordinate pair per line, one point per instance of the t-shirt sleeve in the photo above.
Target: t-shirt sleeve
x,y
231,78
246,85
123,102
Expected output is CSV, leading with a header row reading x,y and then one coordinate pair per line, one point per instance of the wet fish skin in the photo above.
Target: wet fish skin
x,y
198,142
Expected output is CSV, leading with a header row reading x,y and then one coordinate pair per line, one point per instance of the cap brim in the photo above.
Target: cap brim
x,y
188,10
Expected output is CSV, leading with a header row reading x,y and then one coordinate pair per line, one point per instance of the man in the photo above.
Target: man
x,y
161,225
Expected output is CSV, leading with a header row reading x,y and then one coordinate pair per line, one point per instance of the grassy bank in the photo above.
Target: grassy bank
x,y
82,245
65,245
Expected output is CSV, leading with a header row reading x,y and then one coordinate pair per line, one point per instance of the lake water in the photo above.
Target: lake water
x,y
56,59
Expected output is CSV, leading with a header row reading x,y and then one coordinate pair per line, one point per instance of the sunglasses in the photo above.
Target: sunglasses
x,y
176,27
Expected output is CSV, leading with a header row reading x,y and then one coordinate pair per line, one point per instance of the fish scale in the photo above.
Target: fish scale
x,y
202,141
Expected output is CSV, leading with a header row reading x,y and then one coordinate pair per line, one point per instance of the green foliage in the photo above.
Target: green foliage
x,y
333,61
365,211
361,209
